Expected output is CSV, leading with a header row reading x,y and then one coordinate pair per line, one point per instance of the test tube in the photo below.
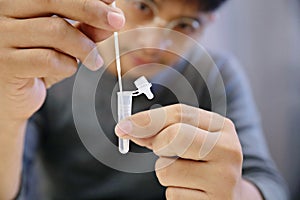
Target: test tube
x,y
124,110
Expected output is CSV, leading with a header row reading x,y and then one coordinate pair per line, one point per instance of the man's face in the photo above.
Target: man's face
x,y
183,16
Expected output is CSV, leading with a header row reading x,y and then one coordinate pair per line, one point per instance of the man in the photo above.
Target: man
x,y
38,50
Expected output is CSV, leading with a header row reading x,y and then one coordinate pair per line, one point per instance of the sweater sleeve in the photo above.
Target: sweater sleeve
x,y
258,166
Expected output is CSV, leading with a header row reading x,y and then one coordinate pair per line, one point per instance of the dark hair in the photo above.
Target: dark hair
x,y
210,5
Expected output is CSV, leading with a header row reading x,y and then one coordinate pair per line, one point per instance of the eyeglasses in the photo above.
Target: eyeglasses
x,y
146,13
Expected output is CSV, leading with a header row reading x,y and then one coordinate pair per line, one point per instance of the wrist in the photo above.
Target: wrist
x,y
12,134
9,125
12,116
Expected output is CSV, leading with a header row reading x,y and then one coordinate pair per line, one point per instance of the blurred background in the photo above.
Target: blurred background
x,y
265,37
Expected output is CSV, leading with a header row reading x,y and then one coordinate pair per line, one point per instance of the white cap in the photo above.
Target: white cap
x,y
144,86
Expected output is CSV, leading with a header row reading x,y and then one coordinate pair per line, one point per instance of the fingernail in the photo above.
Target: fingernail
x,y
123,128
93,61
99,62
116,20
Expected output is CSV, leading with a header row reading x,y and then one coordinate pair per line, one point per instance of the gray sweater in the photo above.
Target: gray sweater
x,y
64,161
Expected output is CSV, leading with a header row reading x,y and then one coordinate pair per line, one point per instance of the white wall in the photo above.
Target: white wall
x,y
265,37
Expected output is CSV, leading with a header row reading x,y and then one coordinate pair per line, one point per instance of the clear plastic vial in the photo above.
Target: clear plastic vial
x,y
124,110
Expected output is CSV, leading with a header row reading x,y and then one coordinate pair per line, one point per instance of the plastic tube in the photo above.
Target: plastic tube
x,y
124,110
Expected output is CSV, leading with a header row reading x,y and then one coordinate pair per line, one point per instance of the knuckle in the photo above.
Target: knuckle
x,y
217,122
237,155
233,151
142,119
173,131
231,175
57,27
85,5
54,65
89,6
36,58
88,47
230,143
162,176
72,69
229,124
177,110
171,139
161,172
69,73
216,116
51,60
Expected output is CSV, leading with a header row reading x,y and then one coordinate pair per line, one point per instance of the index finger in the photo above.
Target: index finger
x,y
93,12
149,123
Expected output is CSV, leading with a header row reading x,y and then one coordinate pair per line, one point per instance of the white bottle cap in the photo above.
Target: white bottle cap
x,y
144,86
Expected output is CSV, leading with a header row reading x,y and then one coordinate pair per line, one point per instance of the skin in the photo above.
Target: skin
x,y
176,134
145,39
196,172
37,51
